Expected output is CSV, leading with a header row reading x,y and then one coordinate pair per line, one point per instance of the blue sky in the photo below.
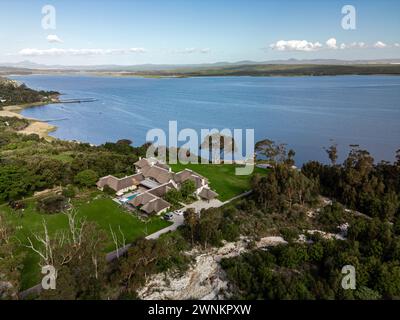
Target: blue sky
x,y
189,31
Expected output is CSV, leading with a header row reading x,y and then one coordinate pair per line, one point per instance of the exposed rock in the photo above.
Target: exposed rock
x,y
7,290
205,279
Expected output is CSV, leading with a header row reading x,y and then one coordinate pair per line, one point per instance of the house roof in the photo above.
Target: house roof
x,y
142,163
159,174
162,190
142,199
155,206
150,184
183,175
187,174
208,194
118,184
162,165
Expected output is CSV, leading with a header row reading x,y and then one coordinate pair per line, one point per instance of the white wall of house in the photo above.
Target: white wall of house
x,y
163,211
121,192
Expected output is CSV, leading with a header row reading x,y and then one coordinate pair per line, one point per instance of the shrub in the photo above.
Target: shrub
x,y
69,191
188,188
86,178
173,196
52,204
17,205
108,190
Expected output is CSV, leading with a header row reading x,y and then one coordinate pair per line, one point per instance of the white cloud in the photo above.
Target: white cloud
x,y
193,50
136,50
189,50
332,43
360,45
295,45
78,52
205,50
380,45
353,45
53,38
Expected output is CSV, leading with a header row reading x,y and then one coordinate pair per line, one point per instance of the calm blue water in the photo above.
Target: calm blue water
x,y
305,112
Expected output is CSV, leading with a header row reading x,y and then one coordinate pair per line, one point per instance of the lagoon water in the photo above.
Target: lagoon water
x,y
307,113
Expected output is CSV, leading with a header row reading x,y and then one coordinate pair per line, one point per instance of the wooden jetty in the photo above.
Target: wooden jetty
x,y
77,100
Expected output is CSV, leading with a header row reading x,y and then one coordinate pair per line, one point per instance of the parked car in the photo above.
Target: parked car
x,y
168,216
179,212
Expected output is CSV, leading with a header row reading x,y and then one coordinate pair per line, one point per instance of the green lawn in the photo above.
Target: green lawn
x,y
222,178
101,210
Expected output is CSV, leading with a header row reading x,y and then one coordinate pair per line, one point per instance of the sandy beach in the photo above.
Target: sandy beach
x,y
42,129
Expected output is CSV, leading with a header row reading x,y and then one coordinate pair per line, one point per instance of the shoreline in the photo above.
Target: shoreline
x,y
115,74
36,126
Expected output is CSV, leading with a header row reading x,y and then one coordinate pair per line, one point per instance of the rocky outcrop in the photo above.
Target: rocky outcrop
x,y
205,279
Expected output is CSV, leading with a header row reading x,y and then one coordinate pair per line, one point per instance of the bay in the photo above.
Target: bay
x,y
307,113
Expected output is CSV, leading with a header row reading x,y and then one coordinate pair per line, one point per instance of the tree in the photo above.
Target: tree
x,y
365,293
266,190
123,146
283,187
66,288
52,204
191,220
332,153
173,196
78,254
209,227
11,262
15,182
290,157
271,151
187,188
140,262
69,191
218,144
87,178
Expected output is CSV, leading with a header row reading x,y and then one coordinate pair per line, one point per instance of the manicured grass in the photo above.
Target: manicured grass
x,y
99,209
222,178
106,213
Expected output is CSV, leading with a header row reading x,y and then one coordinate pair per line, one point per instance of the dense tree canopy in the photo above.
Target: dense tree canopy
x,y
373,189
15,93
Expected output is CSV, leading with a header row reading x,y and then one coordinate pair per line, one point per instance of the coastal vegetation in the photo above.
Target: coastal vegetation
x,y
15,93
310,267
268,70
39,180
254,69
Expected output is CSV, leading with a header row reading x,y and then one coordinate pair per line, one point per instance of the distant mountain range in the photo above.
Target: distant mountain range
x,y
164,67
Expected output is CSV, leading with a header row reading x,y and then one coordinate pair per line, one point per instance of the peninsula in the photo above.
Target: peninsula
x,y
15,96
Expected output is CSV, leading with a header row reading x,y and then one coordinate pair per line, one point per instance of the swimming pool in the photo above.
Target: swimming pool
x,y
132,196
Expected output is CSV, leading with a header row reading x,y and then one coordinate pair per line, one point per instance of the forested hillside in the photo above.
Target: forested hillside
x,y
14,93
